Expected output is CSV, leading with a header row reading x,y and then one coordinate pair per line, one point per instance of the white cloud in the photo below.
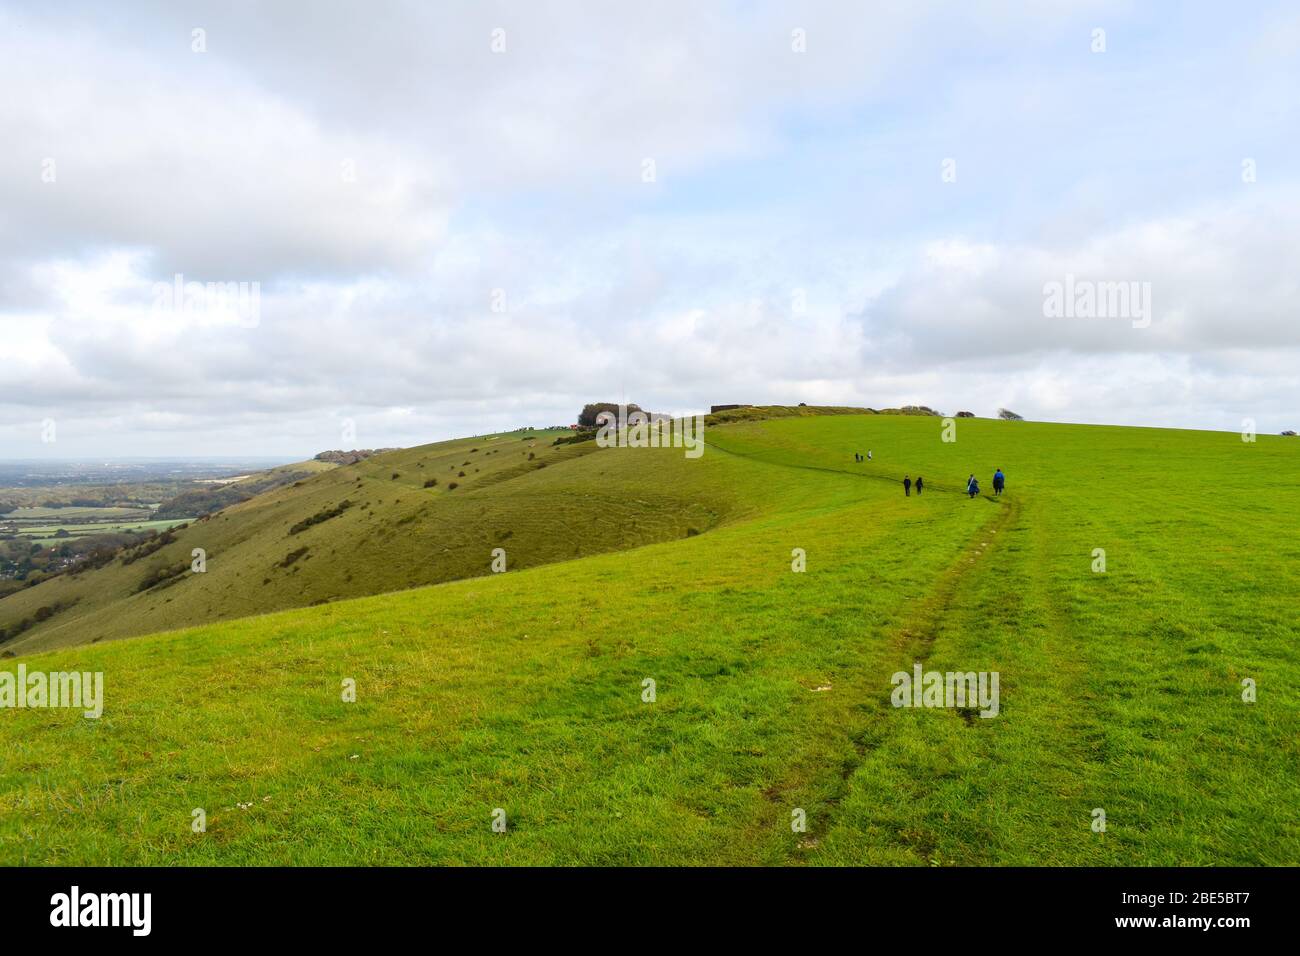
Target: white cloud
x,y
779,173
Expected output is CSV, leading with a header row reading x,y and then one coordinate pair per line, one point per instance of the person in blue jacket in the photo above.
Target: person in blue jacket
x,y
974,486
999,480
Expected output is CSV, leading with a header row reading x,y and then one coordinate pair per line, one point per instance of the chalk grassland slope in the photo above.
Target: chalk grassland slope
x,y
373,527
524,691
209,497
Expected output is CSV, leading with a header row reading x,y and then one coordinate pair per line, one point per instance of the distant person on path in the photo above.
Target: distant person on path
x,y
907,485
868,454
970,480
999,480
974,486
920,483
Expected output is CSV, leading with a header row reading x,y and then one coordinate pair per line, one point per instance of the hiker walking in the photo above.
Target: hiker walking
x,y
907,485
868,454
999,480
920,483
974,486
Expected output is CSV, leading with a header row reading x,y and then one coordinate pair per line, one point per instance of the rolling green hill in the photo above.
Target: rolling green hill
x,y
368,528
525,691
214,496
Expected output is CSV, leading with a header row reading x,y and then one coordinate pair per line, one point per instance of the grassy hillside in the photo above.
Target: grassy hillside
x,y
369,528
524,691
214,496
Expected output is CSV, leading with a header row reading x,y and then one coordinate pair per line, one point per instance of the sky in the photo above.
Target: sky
x,y
395,223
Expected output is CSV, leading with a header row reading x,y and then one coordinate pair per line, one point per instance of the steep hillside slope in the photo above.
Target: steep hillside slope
x,y
372,527
196,502
527,692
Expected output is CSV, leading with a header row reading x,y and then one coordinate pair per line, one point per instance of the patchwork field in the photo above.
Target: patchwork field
x,y
49,534
526,692
73,514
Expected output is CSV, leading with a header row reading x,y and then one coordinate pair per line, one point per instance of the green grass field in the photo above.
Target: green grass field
x,y
46,535
72,513
523,691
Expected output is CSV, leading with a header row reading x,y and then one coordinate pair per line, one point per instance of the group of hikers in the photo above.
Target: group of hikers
x,y
972,483
999,482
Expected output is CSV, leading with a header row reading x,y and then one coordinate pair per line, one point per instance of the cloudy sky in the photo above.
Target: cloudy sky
x,y
466,216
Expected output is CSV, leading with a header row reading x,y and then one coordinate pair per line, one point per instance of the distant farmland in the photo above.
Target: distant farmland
x,y
43,525
47,535
73,513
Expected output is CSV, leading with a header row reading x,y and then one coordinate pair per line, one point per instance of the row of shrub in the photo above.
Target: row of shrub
x,y
161,577
320,516
41,614
148,547
291,557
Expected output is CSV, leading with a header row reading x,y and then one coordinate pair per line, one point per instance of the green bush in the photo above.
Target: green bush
x,y
320,516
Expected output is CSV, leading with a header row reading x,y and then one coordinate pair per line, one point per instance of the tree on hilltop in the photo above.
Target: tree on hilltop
x,y
587,417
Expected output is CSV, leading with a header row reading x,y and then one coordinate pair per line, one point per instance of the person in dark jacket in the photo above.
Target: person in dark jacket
x,y
999,480
907,485
920,484
974,486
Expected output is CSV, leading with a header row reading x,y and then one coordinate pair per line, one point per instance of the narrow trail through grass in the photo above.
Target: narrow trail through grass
x,y
865,710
